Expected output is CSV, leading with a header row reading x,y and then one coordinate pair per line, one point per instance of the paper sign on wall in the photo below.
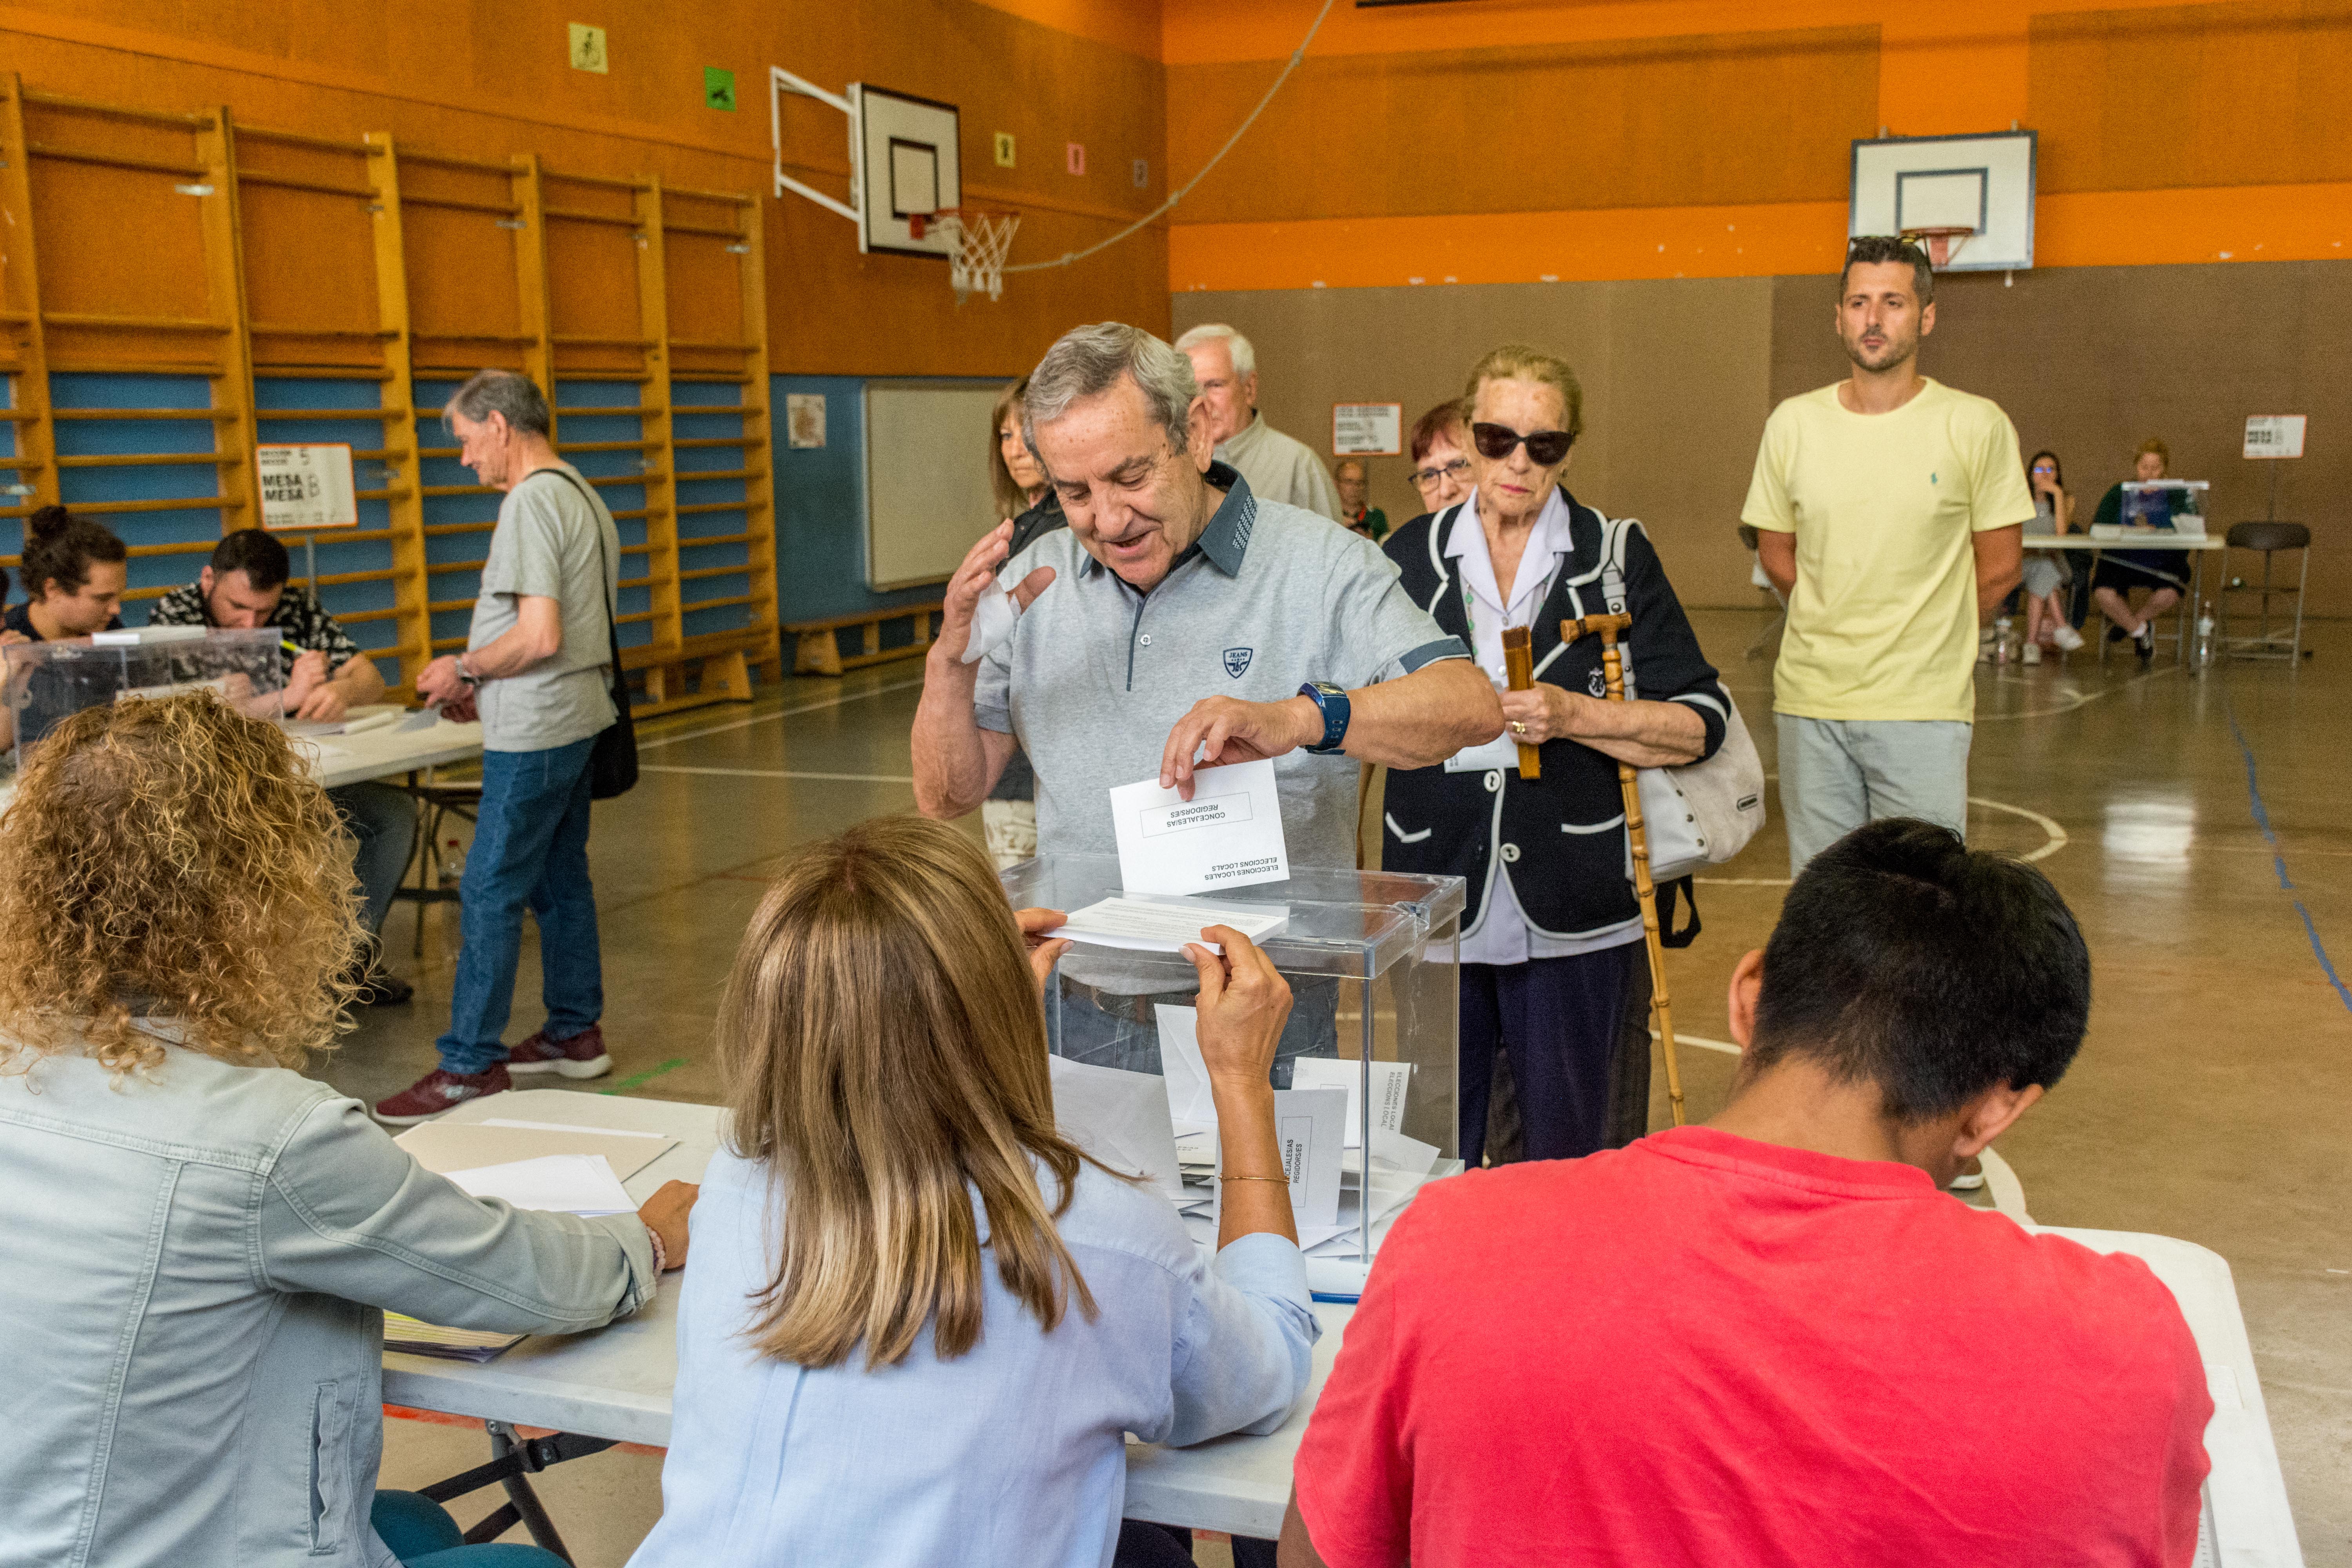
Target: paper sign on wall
x,y
1367,429
2275,434
804,420
307,487
1229,835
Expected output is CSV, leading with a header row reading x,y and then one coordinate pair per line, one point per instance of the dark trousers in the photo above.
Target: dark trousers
x,y
1575,1032
1142,1546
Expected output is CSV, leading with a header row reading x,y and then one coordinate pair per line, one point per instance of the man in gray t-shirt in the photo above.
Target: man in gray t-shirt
x,y
539,661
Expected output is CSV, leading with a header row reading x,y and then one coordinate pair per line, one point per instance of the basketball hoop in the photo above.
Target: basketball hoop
x,y
1943,244
978,241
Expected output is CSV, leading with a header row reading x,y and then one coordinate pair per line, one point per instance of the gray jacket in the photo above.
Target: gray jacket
x,y
192,1265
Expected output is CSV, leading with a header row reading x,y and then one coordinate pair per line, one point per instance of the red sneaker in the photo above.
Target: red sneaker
x,y
437,1091
581,1056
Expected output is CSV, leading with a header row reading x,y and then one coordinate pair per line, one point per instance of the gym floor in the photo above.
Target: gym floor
x,y
2198,1107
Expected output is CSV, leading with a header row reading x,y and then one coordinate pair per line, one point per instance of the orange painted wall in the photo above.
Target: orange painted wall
x,y
489,78
1691,138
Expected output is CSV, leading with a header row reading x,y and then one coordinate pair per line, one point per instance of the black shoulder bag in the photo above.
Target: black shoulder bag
x,y
613,761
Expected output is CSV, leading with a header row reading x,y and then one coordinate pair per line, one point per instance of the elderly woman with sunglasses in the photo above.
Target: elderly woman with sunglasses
x,y
1553,969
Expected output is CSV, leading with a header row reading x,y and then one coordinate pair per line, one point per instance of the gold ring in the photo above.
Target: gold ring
x,y
1517,728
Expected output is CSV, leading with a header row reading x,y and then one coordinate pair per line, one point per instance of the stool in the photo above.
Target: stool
x,y
1756,575
2268,538
436,803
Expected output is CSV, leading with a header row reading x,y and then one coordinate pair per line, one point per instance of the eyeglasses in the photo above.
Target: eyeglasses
x,y
1544,448
1425,478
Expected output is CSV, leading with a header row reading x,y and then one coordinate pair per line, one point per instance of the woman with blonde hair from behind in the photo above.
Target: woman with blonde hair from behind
x,y
195,1240
920,1319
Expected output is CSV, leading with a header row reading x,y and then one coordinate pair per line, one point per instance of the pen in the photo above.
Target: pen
x,y
289,647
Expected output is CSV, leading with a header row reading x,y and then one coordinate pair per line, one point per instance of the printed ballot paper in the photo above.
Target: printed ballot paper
x,y
1165,924
1390,1147
1308,1129
1229,835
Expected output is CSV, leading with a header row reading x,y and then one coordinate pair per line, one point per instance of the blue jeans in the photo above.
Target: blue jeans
x,y
384,821
531,850
422,1535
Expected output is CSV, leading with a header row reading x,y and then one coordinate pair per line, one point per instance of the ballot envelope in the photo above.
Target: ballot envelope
x,y
46,682
1372,959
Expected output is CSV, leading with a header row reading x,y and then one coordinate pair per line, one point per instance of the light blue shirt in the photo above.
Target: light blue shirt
x,y
1013,1454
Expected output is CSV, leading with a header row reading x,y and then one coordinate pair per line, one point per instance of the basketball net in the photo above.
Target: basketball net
x,y
977,243
1943,244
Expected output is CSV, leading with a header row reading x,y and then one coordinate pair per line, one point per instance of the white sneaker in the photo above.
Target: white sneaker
x,y
2067,637
2032,654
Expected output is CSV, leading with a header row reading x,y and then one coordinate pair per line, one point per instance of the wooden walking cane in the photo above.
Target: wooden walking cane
x,y
1519,669
1613,666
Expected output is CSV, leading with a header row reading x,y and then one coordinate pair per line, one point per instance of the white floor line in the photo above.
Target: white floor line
x,y
783,774
1702,1042
2053,841
836,700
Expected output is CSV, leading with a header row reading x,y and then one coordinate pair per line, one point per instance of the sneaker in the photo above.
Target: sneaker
x,y
2146,640
2116,634
2032,654
439,1090
383,988
581,1056
2066,637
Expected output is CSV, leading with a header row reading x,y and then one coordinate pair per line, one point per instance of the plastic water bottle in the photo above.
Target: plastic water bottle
x,y
2005,648
453,864
2204,653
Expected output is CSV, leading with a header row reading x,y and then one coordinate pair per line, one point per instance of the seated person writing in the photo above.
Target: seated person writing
x,y
1771,1339
195,1240
920,1319
248,584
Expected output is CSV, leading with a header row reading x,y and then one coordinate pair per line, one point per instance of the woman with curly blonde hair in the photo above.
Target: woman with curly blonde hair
x,y
195,1241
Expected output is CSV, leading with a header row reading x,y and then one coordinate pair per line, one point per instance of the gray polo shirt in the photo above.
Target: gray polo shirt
x,y
545,545
1095,674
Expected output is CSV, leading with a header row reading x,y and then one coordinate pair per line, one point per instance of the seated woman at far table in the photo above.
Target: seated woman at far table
x,y
920,1320
2160,572
196,1241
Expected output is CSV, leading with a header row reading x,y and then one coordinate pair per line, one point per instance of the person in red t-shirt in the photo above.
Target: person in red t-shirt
x,y
1772,1339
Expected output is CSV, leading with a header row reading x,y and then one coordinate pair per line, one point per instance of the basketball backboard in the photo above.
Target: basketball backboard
x,y
1981,183
905,161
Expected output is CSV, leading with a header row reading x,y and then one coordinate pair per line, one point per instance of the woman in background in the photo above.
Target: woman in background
x,y
920,1320
196,1239
2121,570
1024,499
74,573
1441,456
2046,572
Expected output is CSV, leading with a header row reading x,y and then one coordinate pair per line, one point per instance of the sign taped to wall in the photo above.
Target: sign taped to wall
x,y
1367,429
2275,434
307,487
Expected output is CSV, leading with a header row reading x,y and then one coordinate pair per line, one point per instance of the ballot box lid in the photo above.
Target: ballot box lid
x,y
1355,924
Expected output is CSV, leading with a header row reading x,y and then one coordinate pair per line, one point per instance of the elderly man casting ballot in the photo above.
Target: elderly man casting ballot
x,y
1178,622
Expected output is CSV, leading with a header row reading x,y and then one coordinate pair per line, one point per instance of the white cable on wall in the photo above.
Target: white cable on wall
x,y
1067,257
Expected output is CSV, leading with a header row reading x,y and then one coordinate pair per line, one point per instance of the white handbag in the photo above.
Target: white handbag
x,y
1701,814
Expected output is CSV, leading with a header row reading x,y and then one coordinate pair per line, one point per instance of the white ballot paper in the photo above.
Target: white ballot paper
x,y
1120,1118
1307,1130
1160,924
563,1183
1390,1147
1190,1104
1229,835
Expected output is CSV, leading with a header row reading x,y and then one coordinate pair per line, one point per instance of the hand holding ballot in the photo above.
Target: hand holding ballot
x,y
968,628
1243,1005
1045,952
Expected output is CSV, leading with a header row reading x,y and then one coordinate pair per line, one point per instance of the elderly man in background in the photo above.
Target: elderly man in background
x,y
538,656
1277,467
1357,512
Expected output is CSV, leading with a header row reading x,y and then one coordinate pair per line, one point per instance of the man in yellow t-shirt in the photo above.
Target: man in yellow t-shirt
x,y
1889,512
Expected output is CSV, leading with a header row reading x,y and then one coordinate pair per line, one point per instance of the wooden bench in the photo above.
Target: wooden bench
x,y
817,651
725,668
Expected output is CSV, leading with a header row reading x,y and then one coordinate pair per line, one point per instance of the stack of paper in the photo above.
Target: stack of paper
x,y
558,1184
402,1332
448,1146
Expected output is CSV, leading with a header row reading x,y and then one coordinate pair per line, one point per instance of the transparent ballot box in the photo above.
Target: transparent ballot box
x,y
49,681
2175,504
1368,1064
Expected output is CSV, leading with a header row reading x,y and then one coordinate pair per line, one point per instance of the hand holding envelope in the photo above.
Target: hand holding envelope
x,y
976,613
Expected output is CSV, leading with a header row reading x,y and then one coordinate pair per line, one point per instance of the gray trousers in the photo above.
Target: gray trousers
x,y
1838,773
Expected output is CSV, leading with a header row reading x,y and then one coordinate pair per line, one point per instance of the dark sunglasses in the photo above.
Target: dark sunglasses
x,y
1544,448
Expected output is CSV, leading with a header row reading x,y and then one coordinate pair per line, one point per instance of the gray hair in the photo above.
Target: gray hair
x,y
1244,357
507,392
1087,361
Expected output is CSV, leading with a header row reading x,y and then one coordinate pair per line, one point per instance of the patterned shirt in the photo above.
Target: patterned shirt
x,y
298,618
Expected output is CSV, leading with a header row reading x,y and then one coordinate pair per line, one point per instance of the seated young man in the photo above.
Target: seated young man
x,y
248,584
1773,1339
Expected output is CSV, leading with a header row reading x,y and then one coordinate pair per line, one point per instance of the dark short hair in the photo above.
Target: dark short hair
x,y
59,547
507,392
1874,249
250,551
1903,958
1447,419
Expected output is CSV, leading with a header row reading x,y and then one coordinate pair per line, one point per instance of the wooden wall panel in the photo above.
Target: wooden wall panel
x,y
2192,95
1755,117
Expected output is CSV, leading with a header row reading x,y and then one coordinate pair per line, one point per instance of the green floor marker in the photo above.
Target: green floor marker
x,y
629,1083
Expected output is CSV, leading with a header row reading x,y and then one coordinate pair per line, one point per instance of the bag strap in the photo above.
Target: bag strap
x,y
1615,531
1668,935
603,569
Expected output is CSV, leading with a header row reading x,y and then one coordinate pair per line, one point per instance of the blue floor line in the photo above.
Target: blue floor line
x,y
2278,861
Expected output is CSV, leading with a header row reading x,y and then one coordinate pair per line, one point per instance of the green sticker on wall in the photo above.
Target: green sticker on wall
x,y
717,89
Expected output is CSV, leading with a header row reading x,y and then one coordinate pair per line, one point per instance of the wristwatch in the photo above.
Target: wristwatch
x,y
468,676
1332,702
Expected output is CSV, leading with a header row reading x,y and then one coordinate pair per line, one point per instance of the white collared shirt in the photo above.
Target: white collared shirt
x,y
1503,934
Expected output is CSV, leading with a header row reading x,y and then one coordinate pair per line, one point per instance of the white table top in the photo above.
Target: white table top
x,y
2149,540
339,760
615,1383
